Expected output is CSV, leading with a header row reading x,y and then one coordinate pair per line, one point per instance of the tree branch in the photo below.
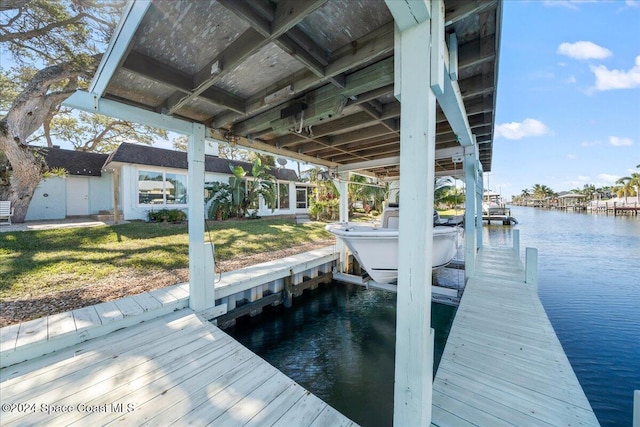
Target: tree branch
x,y
26,35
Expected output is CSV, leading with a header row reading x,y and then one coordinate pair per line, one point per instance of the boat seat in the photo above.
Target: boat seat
x,y
391,218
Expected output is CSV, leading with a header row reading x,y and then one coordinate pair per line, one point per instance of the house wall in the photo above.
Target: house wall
x,y
132,210
101,193
50,197
49,200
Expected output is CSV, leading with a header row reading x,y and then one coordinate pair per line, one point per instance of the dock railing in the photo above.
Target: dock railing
x,y
530,261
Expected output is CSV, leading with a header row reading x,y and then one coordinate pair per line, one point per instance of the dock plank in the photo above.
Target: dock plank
x,y
96,349
86,317
108,312
503,363
146,301
277,407
128,307
60,324
177,368
8,337
253,403
32,331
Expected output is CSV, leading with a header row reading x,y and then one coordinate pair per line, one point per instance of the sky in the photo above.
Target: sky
x,y
568,104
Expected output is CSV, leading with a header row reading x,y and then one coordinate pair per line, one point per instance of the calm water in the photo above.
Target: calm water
x,y
339,343
589,275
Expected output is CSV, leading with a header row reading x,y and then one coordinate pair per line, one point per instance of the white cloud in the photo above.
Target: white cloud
x,y
590,143
616,141
607,178
617,79
570,4
583,178
515,130
583,50
632,3
571,156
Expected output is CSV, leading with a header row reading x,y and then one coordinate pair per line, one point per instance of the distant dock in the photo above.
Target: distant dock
x,y
615,208
504,219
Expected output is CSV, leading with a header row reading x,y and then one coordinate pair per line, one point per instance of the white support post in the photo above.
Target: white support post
x,y
414,350
343,187
209,275
516,241
479,193
197,271
470,215
531,267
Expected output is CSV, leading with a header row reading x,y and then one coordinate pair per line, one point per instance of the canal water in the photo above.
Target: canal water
x,y
589,276
339,342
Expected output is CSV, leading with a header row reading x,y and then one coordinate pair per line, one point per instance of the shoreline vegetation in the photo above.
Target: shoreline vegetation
x,y
51,271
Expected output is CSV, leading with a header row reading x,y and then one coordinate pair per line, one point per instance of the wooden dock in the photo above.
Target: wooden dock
x,y
178,369
503,364
504,219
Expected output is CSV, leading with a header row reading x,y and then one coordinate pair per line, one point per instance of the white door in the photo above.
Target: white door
x,y
77,196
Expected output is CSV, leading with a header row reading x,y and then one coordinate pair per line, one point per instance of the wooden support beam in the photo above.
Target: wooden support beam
x,y
89,102
119,45
259,35
414,349
345,138
180,81
409,14
377,44
256,145
324,102
470,165
197,279
467,8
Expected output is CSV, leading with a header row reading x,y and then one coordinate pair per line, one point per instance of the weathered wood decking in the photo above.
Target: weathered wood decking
x,y
36,337
33,338
503,364
175,369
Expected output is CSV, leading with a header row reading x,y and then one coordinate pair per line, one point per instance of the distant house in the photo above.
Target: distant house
x,y
139,178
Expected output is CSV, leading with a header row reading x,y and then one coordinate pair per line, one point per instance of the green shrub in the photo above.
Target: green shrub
x,y
166,215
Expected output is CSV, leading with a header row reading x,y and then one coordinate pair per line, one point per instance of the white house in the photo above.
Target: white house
x,y
139,178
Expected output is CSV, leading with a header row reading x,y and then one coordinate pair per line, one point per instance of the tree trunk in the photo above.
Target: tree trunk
x,y
25,177
27,113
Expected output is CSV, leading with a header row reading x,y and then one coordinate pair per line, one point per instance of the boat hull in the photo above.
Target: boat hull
x,y
376,249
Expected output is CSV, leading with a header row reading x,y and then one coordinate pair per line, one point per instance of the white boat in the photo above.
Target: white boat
x,y
376,247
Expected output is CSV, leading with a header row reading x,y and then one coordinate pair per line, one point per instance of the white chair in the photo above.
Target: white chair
x,y
6,212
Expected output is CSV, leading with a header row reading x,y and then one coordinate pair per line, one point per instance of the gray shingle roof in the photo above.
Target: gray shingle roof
x,y
153,156
74,162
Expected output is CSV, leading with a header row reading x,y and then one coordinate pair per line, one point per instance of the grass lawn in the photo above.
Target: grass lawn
x,y
33,263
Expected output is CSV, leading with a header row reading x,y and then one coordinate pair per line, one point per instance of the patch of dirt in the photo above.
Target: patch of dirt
x,y
125,284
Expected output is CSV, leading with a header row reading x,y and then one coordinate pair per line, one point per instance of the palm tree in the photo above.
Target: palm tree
x,y
589,190
633,181
626,189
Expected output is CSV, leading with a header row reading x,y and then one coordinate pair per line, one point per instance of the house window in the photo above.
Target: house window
x,y
159,188
176,189
274,204
283,196
301,197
